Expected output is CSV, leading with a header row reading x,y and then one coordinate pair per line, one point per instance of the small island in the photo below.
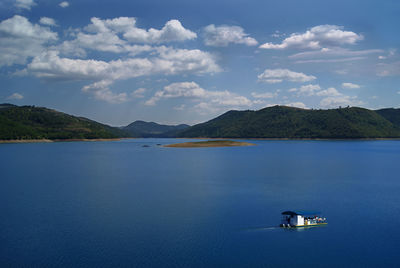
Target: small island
x,y
209,143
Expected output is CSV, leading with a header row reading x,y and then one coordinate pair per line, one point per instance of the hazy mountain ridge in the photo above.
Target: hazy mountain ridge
x,y
142,129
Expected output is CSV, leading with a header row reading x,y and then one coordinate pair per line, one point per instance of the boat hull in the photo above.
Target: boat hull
x,y
303,226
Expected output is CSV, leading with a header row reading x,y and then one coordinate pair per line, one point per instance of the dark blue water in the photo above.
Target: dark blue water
x,y
107,204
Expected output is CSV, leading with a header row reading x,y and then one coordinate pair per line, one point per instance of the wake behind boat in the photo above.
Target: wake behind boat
x,y
301,219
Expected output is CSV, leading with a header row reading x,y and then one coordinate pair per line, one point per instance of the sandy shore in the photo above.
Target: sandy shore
x,y
210,143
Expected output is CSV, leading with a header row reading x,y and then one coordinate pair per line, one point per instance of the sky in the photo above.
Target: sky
x,y
186,61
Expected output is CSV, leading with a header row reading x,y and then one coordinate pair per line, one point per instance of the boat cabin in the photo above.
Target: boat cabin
x,y
301,219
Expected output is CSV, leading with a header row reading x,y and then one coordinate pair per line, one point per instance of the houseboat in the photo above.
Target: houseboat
x,y
301,219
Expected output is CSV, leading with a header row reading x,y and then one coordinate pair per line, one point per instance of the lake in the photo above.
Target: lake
x,y
108,204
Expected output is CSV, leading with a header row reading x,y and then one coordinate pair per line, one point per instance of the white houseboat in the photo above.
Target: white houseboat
x,y
301,219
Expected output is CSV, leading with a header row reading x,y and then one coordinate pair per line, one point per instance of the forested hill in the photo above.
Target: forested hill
x,y
29,122
289,122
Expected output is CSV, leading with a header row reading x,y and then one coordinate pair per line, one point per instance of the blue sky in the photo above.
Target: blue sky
x,y
189,61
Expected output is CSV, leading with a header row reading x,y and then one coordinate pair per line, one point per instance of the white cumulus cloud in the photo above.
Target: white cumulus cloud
x,y
308,90
331,92
64,4
342,100
47,21
25,4
172,31
331,97
20,40
15,96
316,38
208,101
279,75
222,36
297,104
120,35
350,85
49,65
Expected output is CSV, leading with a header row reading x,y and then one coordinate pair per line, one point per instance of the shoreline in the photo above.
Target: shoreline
x,y
58,140
200,138
295,139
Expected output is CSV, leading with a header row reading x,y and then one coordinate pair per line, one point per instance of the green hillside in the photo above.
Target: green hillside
x,y
29,122
393,115
288,122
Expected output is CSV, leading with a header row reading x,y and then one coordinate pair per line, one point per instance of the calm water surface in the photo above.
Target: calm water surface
x,y
108,204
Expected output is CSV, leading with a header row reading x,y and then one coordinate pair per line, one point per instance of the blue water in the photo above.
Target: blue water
x,y
108,204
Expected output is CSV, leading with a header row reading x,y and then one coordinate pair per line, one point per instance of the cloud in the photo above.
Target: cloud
x,y
277,34
172,31
47,21
388,69
101,91
120,35
173,61
210,101
138,93
334,54
168,61
350,85
308,90
266,95
15,96
25,4
330,60
317,37
279,75
331,92
342,100
49,65
20,40
103,35
64,4
332,98
316,90
297,104
222,36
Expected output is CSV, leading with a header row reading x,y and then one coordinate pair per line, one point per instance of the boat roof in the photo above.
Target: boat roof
x,y
300,212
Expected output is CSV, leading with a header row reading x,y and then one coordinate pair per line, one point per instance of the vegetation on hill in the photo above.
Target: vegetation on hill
x,y
142,129
29,122
391,114
289,122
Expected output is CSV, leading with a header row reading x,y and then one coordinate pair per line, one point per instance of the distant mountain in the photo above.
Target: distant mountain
x,y
30,122
142,129
289,122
